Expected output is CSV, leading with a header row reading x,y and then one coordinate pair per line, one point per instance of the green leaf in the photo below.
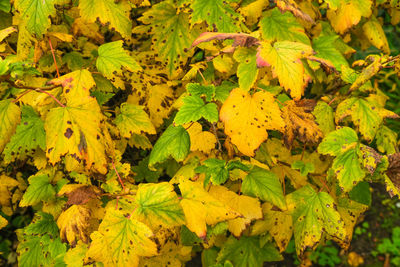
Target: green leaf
x,y
43,223
74,256
215,170
158,204
74,60
29,135
347,167
217,14
314,214
247,252
5,5
175,142
9,119
363,114
335,143
3,65
35,14
222,91
265,185
247,70
326,49
133,120
278,26
304,168
108,11
112,57
361,193
120,240
193,109
172,35
30,253
39,189
386,140
143,173
196,89
324,117
101,97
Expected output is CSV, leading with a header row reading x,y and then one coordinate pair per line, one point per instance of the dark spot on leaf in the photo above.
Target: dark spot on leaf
x,y
68,133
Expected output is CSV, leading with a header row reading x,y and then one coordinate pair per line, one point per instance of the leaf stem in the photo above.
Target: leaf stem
x,y
54,58
190,125
216,136
202,76
55,99
119,177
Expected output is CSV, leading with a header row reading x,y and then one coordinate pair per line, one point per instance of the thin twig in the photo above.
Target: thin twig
x,y
44,88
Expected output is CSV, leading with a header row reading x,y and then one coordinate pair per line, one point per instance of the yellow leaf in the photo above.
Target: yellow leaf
x,y
200,208
90,30
349,13
9,119
116,14
75,84
375,34
199,140
278,223
120,240
6,32
248,117
6,185
159,102
54,207
284,59
74,224
300,122
224,64
140,141
252,12
75,129
354,259
349,211
171,255
3,222
74,256
62,36
294,176
249,207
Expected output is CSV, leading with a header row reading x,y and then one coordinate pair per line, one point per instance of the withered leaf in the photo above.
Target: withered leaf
x,y
300,122
393,171
239,39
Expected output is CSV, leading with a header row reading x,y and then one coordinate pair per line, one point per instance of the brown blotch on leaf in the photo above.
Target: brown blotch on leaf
x,y
68,133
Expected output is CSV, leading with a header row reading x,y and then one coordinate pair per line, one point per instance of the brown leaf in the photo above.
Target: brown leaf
x,y
79,194
393,171
240,39
300,122
290,5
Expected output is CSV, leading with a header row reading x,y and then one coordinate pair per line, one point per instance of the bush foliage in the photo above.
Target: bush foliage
x,y
142,133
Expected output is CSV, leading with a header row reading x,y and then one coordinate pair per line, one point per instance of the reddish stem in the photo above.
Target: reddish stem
x,y
55,99
119,177
54,58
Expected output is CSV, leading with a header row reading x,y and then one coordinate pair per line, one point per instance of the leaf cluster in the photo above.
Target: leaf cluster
x,y
142,133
